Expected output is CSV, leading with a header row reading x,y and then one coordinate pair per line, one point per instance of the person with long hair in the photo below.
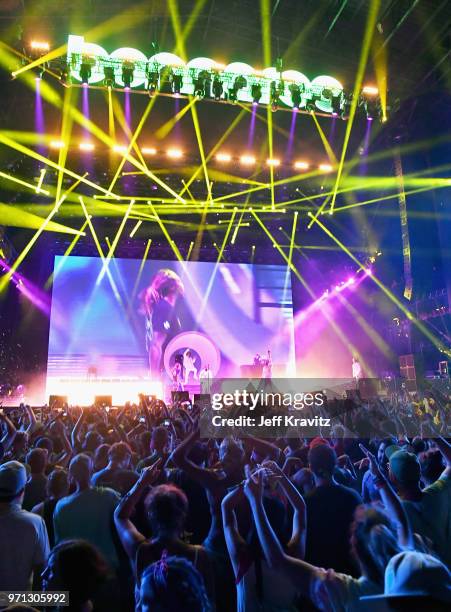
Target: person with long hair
x,y
158,302
173,583
167,509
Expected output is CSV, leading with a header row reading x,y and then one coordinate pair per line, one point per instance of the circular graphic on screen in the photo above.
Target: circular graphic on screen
x,y
202,348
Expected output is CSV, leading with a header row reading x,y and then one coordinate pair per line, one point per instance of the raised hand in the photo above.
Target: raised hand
x,y
149,475
374,467
253,487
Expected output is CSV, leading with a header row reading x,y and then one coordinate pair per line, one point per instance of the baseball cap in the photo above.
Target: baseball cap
x,y
13,478
404,466
414,574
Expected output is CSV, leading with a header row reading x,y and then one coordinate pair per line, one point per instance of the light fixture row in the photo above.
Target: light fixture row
x,y
246,159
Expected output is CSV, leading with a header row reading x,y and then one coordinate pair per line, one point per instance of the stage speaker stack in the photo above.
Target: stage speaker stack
x,y
408,371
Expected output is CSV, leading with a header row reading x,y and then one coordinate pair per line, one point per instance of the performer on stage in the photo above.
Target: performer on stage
x,y
205,378
189,366
356,370
158,305
177,377
267,367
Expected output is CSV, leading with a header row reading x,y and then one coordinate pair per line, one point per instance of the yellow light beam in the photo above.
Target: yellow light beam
x,y
368,36
330,154
166,233
17,217
41,180
67,252
137,132
437,343
214,271
115,242
140,271
19,181
26,151
191,244
215,148
4,280
167,127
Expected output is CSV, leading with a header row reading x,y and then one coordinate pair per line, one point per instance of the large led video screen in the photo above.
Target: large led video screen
x,y
130,318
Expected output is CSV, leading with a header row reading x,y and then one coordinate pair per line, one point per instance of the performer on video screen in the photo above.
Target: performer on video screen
x,y
356,370
189,366
162,324
177,377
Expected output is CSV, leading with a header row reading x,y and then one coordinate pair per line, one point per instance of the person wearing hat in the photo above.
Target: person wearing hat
x,y
24,541
428,509
413,581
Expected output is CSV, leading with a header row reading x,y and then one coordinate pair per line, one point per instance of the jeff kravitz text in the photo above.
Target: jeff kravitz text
x,y
273,421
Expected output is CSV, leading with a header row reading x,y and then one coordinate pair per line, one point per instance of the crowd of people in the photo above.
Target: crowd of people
x,y
130,509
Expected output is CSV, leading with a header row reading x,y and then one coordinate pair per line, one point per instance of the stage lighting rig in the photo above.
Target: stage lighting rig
x,y
202,84
276,90
256,92
369,101
86,68
152,79
218,88
335,99
128,70
177,83
109,80
296,94
166,79
238,84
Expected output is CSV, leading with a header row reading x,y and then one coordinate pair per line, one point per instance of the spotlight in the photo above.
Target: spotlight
x,y
108,80
64,74
247,160
86,146
238,84
40,46
174,153
296,91
256,92
325,168
202,84
86,69
148,151
301,165
310,105
56,144
334,99
276,89
177,83
218,88
273,162
119,148
370,91
166,78
128,70
152,79
223,157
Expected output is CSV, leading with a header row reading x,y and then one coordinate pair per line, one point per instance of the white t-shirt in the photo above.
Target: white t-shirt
x,y
331,591
356,370
24,544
